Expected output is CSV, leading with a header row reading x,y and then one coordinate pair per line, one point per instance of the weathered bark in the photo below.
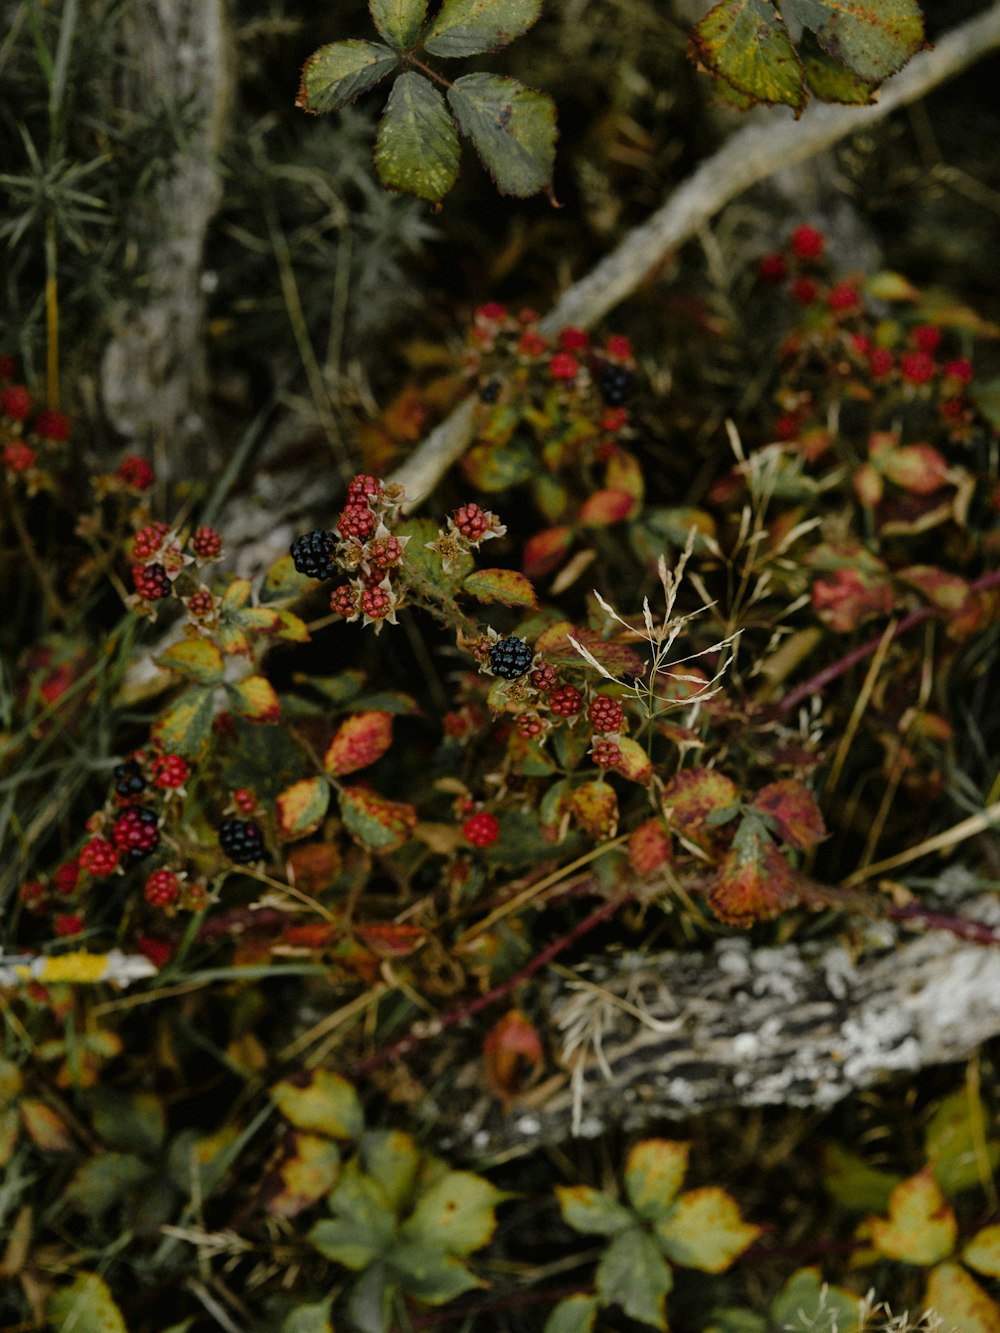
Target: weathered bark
x,y
646,1037
153,377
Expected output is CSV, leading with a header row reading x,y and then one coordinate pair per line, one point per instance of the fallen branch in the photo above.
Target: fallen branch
x,y
751,155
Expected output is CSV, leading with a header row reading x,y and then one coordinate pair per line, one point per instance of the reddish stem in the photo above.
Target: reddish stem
x,y
823,678
422,1030
964,927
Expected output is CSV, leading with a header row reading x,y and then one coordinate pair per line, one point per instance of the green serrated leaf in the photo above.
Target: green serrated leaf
x,y
830,80
983,1252
131,1121
513,128
185,728
807,1302
398,21
391,1157
370,1306
197,659
86,1306
653,1175
416,148
633,1274
506,586
852,1182
592,1211
102,1181
254,698
362,1228
456,1213
921,1226
957,1146
745,43
960,1301
428,1273
873,38
375,821
337,74
312,1318
575,1314
470,27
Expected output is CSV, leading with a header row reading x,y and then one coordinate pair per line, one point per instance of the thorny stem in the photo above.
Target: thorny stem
x,y
421,1031
816,684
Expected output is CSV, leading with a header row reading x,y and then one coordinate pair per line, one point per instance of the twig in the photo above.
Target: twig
x,y
746,158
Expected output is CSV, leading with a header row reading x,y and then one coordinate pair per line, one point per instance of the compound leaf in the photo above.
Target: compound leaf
x,y
512,127
633,1274
416,148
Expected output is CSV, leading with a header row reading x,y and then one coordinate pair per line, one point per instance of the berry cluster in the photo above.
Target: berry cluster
x,y
28,437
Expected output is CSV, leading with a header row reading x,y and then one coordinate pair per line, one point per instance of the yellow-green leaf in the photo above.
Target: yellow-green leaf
x,y
456,1213
746,43
198,659
960,1301
45,1127
635,763
308,1172
983,1251
705,1230
86,1306
255,699
955,1140
322,1103
501,585
336,74
416,148
185,728
301,807
632,1274
592,1211
653,1175
921,1227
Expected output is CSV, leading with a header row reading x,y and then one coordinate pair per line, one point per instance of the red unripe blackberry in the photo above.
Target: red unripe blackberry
x,y
481,829
67,876
344,600
927,337
606,754
136,832
51,425
206,543
148,540
564,366
772,268
162,888
15,401
572,339
959,370
151,582
67,923
241,840
245,800
312,554
807,242
880,362
566,701
159,952
544,678
385,551
472,522
98,857
511,658
169,771
136,472
376,603
356,520
361,487
804,290
18,456
916,367
529,725
605,714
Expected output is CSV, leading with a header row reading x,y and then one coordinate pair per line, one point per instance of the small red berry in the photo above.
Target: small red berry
x,y
385,552
491,313
606,754
916,367
529,725
159,952
362,487
605,714
98,857
15,401
148,540
151,582
162,888
880,362
472,522
951,409
566,701
927,338
18,456
201,604
614,419
844,298
772,268
481,829
544,678
51,425
786,427
344,600
67,876
531,343
573,339
136,472
564,366
68,923
245,800
32,891
859,344
807,242
206,543
136,831
804,291
170,771
959,370
377,603
356,520
619,348
8,367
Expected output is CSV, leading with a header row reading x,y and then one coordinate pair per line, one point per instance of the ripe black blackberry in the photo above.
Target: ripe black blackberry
x,y
128,779
511,658
312,554
241,840
616,384
490,391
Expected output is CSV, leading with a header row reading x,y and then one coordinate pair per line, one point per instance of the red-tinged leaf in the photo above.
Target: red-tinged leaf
x,y
46,1127
255,699
960,1300
921,1227
311,935
616,658
196,659
635,764
792,807
512,1053
917,468
946,591
390,939
605,507
359,741
595,808
308,1170
695,793
314,866
850,596
546,551
301,808
754,883
649,847
868,485
506,586
376,822
624,473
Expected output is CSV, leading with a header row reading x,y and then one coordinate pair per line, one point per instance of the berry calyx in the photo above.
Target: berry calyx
x,y
241,840
170,771
206,543
481,829
312,554
566,701
162,888
605,715
511,658
151,582
98,857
